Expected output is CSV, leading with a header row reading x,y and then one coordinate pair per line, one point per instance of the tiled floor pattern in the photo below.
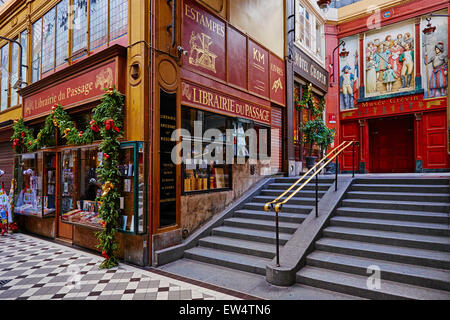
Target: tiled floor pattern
x,y
31,268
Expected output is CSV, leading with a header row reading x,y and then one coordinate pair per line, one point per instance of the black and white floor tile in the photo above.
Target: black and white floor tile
x,y
35,269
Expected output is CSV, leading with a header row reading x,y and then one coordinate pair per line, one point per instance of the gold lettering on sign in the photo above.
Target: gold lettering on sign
x,y
258,56
200,55
203,20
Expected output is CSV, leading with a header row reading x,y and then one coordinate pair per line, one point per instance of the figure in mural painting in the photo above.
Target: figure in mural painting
x,y
346,83
407,58
407,40
438,80
389,77
394,59
381,59
371,75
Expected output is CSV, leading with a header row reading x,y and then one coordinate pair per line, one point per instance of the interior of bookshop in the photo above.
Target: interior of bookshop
x,y
66,183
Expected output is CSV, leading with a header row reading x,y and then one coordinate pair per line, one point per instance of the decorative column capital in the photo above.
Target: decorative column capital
x,y
362,122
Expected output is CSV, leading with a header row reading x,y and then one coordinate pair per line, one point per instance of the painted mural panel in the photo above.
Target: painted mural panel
x,y
349,73
389,60
434,57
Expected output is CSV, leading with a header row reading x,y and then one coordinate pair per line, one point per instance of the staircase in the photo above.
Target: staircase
x,y
401,226
246,241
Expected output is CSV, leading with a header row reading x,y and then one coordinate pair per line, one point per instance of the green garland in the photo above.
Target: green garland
x,y
314,131
106,124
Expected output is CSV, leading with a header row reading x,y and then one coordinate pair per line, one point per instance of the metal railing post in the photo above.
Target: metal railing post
x,y
336,178
277,238
353,160
317,195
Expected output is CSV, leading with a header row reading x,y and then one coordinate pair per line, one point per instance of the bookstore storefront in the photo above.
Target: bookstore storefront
x,y
221,94
58,186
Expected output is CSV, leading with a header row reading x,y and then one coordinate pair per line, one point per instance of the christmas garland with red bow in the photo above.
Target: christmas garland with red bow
x,y
106,124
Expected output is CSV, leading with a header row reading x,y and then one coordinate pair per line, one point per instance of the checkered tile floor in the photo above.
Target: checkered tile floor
x,y
34,269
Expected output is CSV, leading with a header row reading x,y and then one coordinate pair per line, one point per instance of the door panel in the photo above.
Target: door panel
x,y
392,145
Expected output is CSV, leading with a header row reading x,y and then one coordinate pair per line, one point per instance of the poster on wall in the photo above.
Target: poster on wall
x,y
435,57
389,60
349,73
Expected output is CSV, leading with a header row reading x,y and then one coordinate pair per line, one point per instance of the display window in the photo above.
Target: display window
x,y
78,186
36,196
214,173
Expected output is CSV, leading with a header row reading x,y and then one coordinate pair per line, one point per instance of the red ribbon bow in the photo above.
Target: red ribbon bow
x,y
109,124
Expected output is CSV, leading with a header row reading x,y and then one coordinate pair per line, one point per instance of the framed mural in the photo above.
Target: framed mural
x,y
349,73
435,57
389,60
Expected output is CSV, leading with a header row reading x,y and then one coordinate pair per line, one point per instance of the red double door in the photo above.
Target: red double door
x,y
392,145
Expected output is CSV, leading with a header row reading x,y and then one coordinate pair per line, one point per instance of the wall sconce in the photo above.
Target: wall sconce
x,y
332,64
429,29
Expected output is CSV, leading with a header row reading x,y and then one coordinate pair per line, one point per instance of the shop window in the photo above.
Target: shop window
x,y
62,32
118,16
48,41
36,51
79,35
200,174
30,199
4,56
81,189
98,23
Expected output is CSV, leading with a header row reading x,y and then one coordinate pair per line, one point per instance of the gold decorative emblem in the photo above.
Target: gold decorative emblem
x,y
104,78
277,85
200,56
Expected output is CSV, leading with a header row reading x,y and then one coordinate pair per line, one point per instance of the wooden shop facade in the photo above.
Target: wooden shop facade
x,y
219,77
393,81
57,186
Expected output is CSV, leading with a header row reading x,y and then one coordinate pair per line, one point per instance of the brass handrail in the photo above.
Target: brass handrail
x,y
266,206
280,204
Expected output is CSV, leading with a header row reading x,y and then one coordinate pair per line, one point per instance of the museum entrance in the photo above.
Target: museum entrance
x,y
391,143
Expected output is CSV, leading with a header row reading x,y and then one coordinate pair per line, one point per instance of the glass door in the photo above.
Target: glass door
x,y
67,190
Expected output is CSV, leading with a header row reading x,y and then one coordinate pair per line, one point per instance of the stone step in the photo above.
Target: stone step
x,y
397,205
400,196
389,238
228,259
310,186
404,215
293,200
291,180
250,234
358,285
434,229
258,224
274,193
263,215
427,258
404,181
252,248
392,271
415,188
293,208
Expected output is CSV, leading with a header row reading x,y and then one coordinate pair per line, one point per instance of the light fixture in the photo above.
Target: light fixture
x,y
323,4
344,53
429,29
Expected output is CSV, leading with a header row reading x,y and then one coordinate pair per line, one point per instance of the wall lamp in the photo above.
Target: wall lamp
x,y
332,64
